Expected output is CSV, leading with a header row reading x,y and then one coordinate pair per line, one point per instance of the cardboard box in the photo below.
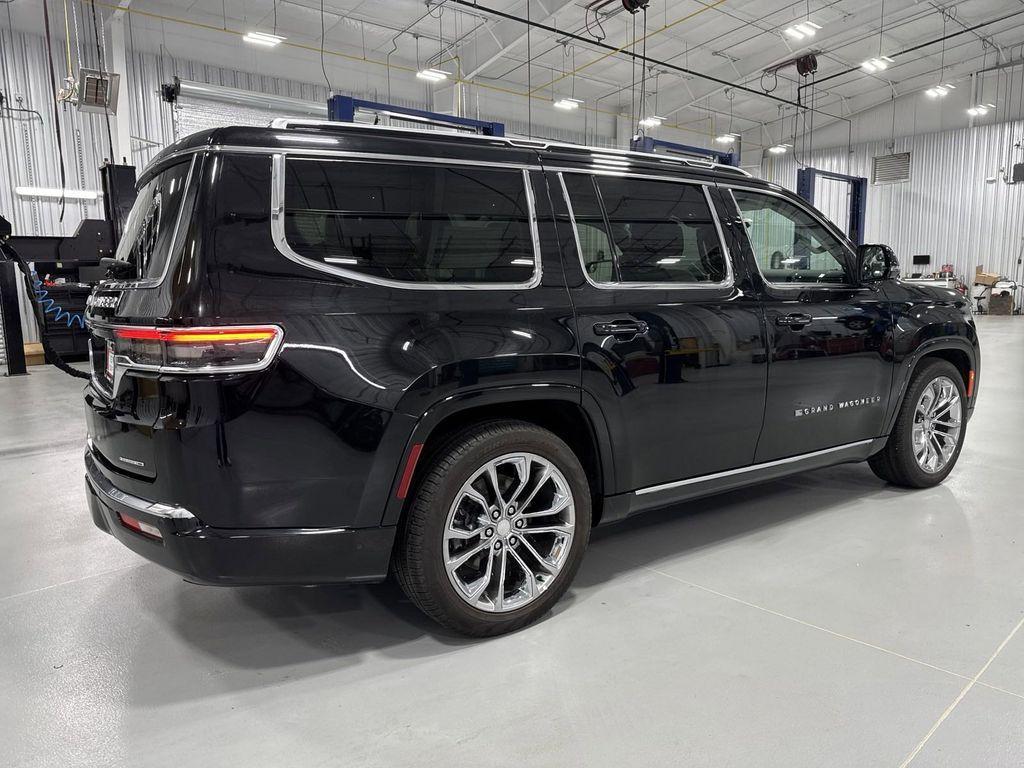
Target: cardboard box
x,y
34,354
984,278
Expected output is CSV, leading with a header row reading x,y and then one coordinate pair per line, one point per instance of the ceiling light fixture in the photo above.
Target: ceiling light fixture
x,y
263,38
651,122
432,75
779,149
939,90
803,29
980,110
567,103
877,64
727,138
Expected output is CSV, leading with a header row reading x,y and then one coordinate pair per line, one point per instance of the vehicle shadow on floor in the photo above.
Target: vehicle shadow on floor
x,y
253,636
670,534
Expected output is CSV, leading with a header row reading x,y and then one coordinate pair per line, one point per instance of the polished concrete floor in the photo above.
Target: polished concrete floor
x,y
821,620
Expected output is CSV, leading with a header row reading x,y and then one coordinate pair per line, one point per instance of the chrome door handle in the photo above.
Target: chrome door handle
x,y
795,320
622,330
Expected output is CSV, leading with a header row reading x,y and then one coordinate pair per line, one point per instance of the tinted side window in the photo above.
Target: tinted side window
x,y
789,244
414,223
598,253
149,230
651,231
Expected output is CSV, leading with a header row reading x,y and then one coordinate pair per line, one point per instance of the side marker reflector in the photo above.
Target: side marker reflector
x,y
137,525
970,383
410,468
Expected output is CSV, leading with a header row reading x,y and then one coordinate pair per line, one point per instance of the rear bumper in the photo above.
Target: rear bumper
x,y
221,556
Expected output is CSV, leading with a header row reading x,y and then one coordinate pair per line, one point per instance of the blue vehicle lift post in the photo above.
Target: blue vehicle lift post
x,y
650,144
805,184
343,109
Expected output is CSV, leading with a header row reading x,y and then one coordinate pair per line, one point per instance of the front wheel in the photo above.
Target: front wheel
x,y
496,530
929,431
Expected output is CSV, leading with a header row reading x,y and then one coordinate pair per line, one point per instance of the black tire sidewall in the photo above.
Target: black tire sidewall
x,y
473,449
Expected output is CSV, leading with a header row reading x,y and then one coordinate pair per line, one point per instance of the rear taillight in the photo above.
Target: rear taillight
x,y
220,349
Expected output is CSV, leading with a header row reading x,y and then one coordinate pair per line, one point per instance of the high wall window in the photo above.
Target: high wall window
x,y
414,223
641,231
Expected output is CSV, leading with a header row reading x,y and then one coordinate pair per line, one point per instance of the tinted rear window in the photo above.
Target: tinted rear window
x,y
149,232
413,223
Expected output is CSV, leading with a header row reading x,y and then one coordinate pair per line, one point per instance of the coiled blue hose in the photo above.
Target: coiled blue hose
x,y
50,306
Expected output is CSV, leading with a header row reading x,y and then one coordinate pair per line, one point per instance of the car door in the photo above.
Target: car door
x,y
830,339
671,343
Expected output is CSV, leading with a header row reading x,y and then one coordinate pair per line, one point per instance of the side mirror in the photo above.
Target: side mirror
x,y
876,263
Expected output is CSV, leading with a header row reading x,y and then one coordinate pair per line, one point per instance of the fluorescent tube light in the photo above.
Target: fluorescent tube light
x,y
876,65
262,38
70,194
778,149
432,75
567,103
652,122
726,138
802,29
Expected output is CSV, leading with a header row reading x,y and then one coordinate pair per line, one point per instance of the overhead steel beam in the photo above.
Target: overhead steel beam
x,y
636,56
507,48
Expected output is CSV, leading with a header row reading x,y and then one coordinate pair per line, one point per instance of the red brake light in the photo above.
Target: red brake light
x,y
198,335
197,350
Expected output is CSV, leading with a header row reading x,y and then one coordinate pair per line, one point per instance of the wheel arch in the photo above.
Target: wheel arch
x,y
566,411
955,350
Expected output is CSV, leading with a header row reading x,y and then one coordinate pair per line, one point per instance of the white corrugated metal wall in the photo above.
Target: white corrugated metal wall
x,y
28,152
946,210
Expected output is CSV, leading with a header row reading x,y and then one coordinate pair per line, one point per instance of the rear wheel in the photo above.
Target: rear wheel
x,y
929,431
496,530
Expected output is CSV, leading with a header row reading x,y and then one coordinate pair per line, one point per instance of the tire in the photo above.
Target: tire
x,y
446,509
898,462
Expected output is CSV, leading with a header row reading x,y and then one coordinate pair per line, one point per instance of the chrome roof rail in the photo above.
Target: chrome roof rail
x,y
284,123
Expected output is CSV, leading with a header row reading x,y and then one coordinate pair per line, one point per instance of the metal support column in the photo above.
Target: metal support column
x,y
806,181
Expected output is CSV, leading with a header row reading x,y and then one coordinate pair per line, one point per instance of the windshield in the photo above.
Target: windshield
x,y
149,232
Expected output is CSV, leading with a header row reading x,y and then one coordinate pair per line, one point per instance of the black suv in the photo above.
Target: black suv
x,y
334,352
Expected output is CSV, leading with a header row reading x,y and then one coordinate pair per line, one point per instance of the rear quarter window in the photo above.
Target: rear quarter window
x,y
411,223
149,232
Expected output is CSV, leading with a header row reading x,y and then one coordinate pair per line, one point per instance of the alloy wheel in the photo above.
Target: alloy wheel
x,y
508,532
937,424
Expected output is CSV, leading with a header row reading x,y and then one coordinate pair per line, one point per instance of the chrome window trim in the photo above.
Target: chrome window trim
x,y
626,171
277,215
153,282
843,240
239,149
751,468
729,281
104,487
